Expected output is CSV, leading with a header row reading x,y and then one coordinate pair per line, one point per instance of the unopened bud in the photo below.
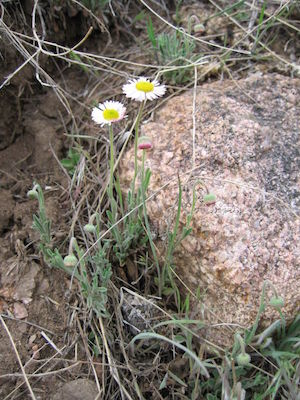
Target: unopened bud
x,y
70,260
276,302
199,28
209,199
145,143
32,194
89,228
243,359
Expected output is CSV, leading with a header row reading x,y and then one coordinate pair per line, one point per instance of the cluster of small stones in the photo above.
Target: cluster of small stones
x,y
246,152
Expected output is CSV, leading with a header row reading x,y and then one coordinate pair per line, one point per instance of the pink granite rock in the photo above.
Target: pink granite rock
x,y
247,154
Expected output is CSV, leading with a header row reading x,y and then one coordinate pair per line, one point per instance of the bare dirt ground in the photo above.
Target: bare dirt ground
x,y
34,298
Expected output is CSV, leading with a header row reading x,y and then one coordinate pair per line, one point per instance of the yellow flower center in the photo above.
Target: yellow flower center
x,y
145,87
110,114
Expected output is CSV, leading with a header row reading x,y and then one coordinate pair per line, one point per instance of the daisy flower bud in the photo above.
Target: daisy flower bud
x,y
108,112
89,228
142,89
70,260
209,199
145,143
277,302
32,194
243,359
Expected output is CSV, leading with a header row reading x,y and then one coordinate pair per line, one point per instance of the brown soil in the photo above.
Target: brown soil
x,y
32,296
35,301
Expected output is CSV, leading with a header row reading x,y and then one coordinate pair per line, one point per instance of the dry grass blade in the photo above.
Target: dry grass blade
x,y
113,369
250,34
44,374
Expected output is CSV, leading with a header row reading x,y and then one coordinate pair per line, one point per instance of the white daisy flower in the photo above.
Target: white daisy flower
x,y
143,89
108,112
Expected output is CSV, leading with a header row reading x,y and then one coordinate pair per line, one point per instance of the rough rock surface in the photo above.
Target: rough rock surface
x,y
246,153
81,389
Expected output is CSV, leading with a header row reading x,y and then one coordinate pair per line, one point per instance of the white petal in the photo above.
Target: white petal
x,y
97,115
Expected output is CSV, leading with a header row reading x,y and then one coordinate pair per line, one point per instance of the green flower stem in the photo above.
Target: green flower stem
x,y
243,359
148,225
136,137
111,163
270,284
143,169
241,343
112,200
261,309
79,253
283,324
92,218
72,245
